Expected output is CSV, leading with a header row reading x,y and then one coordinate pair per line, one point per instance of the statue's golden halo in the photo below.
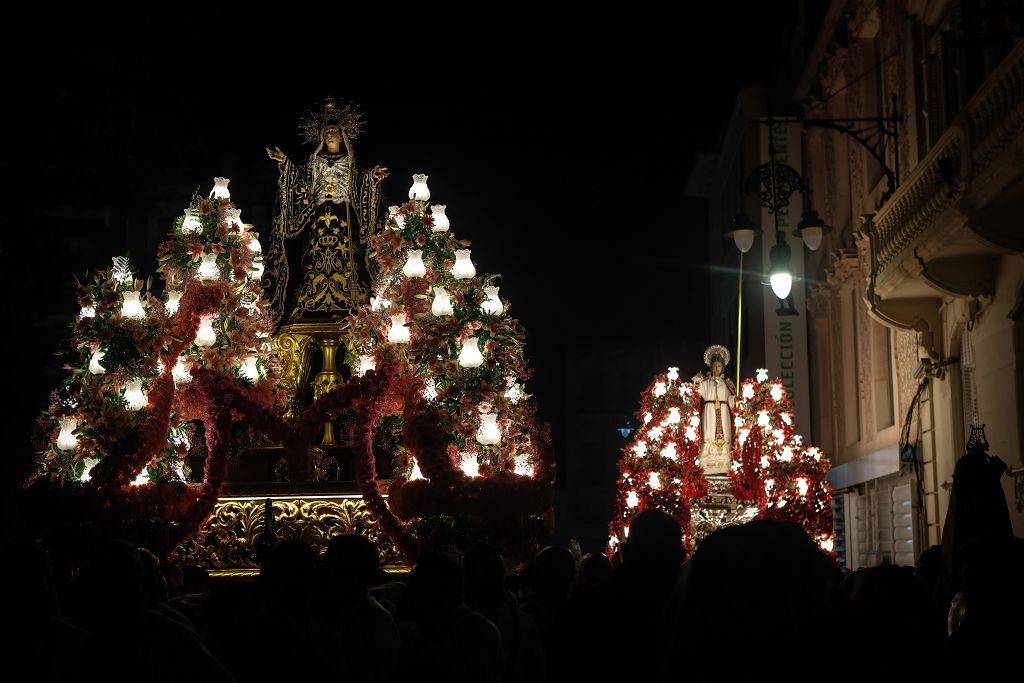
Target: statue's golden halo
x,y
344,114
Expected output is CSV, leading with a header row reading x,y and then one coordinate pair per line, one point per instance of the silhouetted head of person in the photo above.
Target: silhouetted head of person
x,y
194,579
114,582
152,578
287,573
350,566
551,573
172,577
595,569
655,542
766,572
892,604
484,577
993,566
435,588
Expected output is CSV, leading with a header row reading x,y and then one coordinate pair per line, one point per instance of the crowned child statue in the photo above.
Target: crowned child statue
x,y
719,397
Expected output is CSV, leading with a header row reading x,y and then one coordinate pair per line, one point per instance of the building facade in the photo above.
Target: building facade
x,y
916,303
915,299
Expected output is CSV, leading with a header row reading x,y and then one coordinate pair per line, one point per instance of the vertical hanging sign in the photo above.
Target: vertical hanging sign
x,y
785,322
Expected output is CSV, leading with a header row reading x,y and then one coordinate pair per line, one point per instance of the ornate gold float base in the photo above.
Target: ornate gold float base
x,y
230,541
719,508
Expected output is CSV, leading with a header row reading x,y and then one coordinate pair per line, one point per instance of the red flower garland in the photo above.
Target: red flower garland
x,y
680,480
115,473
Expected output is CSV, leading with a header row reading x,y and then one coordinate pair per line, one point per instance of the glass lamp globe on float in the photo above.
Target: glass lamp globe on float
x,y
492,304
66,440
220,188
441,222
398,333
442,304
191,225
206,335
414,266
131,306
463,268
419,192
470,356
366,363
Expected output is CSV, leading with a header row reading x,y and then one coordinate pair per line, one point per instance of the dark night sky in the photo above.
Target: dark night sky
x,y
560,151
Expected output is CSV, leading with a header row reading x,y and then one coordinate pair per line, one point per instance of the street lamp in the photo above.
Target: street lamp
x,y
774,183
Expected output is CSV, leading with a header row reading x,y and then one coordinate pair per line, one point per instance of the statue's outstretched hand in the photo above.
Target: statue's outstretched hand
x,y
277,155
379,173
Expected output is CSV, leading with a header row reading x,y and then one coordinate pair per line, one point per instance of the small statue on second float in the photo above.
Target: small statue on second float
x,y
719,398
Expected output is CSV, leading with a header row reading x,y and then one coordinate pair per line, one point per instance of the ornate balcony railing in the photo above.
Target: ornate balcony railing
x,y
986,126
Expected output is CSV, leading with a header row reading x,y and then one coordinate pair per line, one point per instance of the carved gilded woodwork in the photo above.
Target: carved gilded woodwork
x,y
294,352
227,543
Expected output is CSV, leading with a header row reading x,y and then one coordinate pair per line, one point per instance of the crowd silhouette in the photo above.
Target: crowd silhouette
x,y
757,602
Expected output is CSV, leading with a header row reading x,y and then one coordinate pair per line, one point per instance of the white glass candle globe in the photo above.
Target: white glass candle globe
x,y
632,500
463,268
233,218
173,301
673,416
206,335
673,374
469,465
669,451
442,304
654,481
208,269
399,218
470,356
398,333
640,449
87,472
191,225
659,389
419,191
181,371
414,264
131,306
94,363
441,222
762,374
66,440
802,485
523,466
492,304
489,434
220,188
366,364
430,389
249,369
134,396
514,393
416,473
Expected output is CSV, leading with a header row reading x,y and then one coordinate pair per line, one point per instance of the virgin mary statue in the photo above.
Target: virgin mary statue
x,y
326,200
